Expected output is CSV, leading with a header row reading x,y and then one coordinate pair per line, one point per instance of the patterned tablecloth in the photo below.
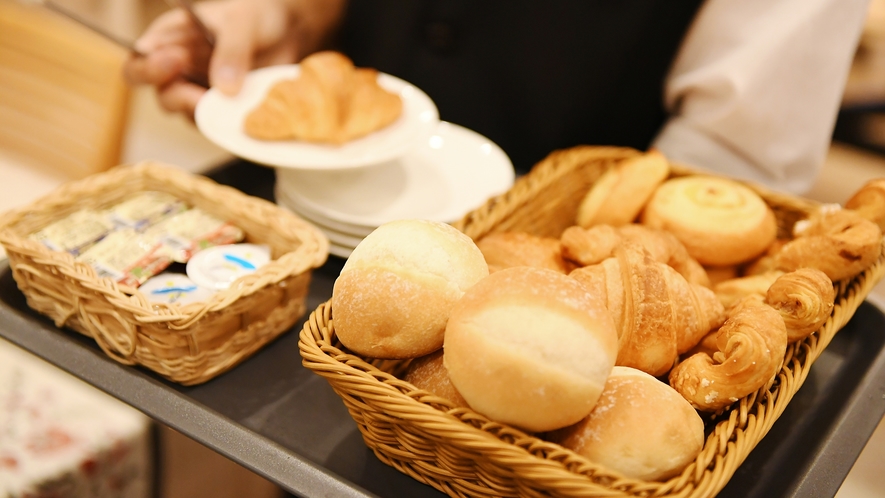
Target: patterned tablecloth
x,y
60,438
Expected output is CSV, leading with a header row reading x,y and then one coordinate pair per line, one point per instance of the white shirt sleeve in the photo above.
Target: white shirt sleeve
x,y
756,86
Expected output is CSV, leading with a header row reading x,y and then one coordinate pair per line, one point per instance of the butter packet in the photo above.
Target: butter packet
x,y
188,232
127,257
145,209
75,232
174,288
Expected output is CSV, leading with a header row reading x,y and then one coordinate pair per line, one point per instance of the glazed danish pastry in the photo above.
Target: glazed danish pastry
x,y
720,221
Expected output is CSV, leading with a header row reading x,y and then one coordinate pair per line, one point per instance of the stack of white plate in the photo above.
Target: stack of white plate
x,y
455,171
417,167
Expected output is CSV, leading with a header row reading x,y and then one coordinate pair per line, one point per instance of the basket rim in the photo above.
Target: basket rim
x,y
311,253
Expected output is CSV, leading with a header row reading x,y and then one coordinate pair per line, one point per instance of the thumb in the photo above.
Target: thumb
x,y
232,57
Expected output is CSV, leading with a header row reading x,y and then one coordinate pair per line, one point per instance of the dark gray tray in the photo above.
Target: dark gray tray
x,y
279,419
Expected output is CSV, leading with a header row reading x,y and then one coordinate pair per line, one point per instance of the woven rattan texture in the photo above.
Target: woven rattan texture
x,y
186,344
462,453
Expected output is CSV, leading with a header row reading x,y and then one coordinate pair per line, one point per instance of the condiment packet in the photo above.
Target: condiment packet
x,y
145,208
217,267
174,288
127,257
188,232
75,232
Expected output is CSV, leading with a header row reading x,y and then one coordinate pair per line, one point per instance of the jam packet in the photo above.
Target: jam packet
x,y
126,256
75,232
188,232
145,208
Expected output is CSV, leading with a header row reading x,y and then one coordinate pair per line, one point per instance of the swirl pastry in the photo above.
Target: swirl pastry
x,y
657,313
589,246
720,221
618,196
751,346
841,243
805,300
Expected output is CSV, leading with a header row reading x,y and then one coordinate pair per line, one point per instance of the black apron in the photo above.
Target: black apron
x,y
533,76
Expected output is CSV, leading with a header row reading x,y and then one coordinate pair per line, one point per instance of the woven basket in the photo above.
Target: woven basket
x,y
187,344
462,453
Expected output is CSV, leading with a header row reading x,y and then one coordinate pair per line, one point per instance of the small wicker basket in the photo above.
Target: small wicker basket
x,y
187,344
462,453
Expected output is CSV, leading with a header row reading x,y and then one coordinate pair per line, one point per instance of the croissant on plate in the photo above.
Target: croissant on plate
x,y
330,101
589,246
751,346
657,313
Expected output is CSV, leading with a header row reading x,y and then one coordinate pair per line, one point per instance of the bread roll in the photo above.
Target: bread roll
x,y
720,221
618,196
429,373
509,249
530,347
640,427
394,294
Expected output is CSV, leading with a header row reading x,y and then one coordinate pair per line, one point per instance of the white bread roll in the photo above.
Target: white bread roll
x,y
640,427
530,347
394,294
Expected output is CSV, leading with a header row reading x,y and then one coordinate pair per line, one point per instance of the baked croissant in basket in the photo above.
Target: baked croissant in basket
x,y
869,202
751,346
804,298
589,246
657,313
841,243
331,101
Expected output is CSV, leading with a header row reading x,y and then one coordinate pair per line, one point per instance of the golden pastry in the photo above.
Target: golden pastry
x,y
657,313
508,249
805,300
619,194
589,246
869,202
720,221
732,291
751,346
331,101
841,243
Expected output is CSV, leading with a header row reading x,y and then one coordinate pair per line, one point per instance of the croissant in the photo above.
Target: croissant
x,y
804,298
751,346
657,313
507,249
331,101
619,195
841,243
589,246
869,202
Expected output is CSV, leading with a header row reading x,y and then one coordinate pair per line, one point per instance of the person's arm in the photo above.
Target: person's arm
x,y
756,87
248,34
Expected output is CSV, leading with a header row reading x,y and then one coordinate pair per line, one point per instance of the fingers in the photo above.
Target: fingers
x,y
158,67
180,96
232,56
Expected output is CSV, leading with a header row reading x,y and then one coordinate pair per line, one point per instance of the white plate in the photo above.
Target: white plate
x,y
455,172
220,118
335,236
285,201
340,251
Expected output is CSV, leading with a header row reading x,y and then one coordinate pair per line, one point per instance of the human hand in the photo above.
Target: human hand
x,y
248,34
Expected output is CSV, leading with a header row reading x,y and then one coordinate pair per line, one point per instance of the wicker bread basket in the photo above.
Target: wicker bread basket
x,y
187,344
462,453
